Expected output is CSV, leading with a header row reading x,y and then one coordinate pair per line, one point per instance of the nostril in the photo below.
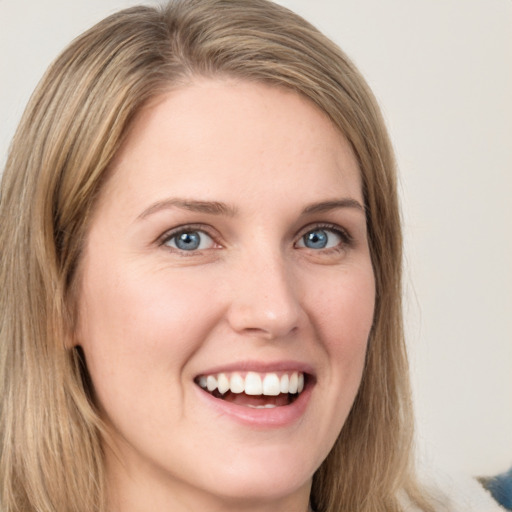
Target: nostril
x,y
269,334
258,321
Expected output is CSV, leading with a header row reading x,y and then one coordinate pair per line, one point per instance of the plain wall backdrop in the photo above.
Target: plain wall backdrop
x,y
442,72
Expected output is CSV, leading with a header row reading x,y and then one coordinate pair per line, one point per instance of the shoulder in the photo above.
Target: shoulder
x,y
454,492
500,487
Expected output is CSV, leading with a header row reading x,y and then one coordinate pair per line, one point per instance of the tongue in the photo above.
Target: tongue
x,y
251,400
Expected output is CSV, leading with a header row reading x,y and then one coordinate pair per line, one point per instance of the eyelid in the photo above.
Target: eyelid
x,y
163,239
346,237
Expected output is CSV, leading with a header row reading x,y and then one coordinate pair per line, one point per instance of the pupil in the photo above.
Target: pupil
x,y
316,239
188,241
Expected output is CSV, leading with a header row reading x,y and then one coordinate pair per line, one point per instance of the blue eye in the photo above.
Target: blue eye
x,y
320,238
192,240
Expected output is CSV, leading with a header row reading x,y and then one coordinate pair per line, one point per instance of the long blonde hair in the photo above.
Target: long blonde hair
x,y
51,457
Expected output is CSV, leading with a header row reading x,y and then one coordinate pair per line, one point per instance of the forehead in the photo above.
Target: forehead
x,y
221,136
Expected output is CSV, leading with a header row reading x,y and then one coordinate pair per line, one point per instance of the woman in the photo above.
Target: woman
x,y
201,273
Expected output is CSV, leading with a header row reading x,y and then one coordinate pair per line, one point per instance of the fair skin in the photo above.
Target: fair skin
x,y
228,244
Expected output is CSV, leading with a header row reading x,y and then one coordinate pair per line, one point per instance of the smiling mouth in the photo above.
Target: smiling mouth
x,y
256,390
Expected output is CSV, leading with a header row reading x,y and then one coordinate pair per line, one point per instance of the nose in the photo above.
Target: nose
x,y
264,299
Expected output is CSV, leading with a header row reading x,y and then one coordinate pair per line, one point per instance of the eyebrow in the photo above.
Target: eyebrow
x,y
218,208
334,204
209,207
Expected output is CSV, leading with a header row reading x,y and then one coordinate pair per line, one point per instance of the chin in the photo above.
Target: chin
x,y
266,477
262,488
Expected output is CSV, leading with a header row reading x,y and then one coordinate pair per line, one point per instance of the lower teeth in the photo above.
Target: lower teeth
x,y
255,402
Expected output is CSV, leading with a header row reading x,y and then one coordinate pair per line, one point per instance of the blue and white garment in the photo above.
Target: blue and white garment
x,y
500,487
455,492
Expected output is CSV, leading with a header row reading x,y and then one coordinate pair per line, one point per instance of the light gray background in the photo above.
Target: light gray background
x,y
442,71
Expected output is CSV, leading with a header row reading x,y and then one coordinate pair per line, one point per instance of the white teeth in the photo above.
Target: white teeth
x,y
268,384
211,383
223,383
294,383
285,383
253,384
236,384
300,385
271,385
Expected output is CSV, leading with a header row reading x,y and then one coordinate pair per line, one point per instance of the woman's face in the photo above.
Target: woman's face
x,y
226,299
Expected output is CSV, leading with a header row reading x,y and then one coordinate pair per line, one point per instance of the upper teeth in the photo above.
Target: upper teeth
x,y
254,383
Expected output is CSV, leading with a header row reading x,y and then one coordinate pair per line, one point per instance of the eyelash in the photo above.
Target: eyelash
x,y
346,238
190,228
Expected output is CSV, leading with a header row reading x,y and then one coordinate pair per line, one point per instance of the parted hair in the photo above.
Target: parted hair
x,y
51,457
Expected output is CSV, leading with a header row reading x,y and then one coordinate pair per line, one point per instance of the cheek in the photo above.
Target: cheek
x,y
136,322
343,316
345,309
120,306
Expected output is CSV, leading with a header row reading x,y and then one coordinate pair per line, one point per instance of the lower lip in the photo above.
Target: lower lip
x,y
276,417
